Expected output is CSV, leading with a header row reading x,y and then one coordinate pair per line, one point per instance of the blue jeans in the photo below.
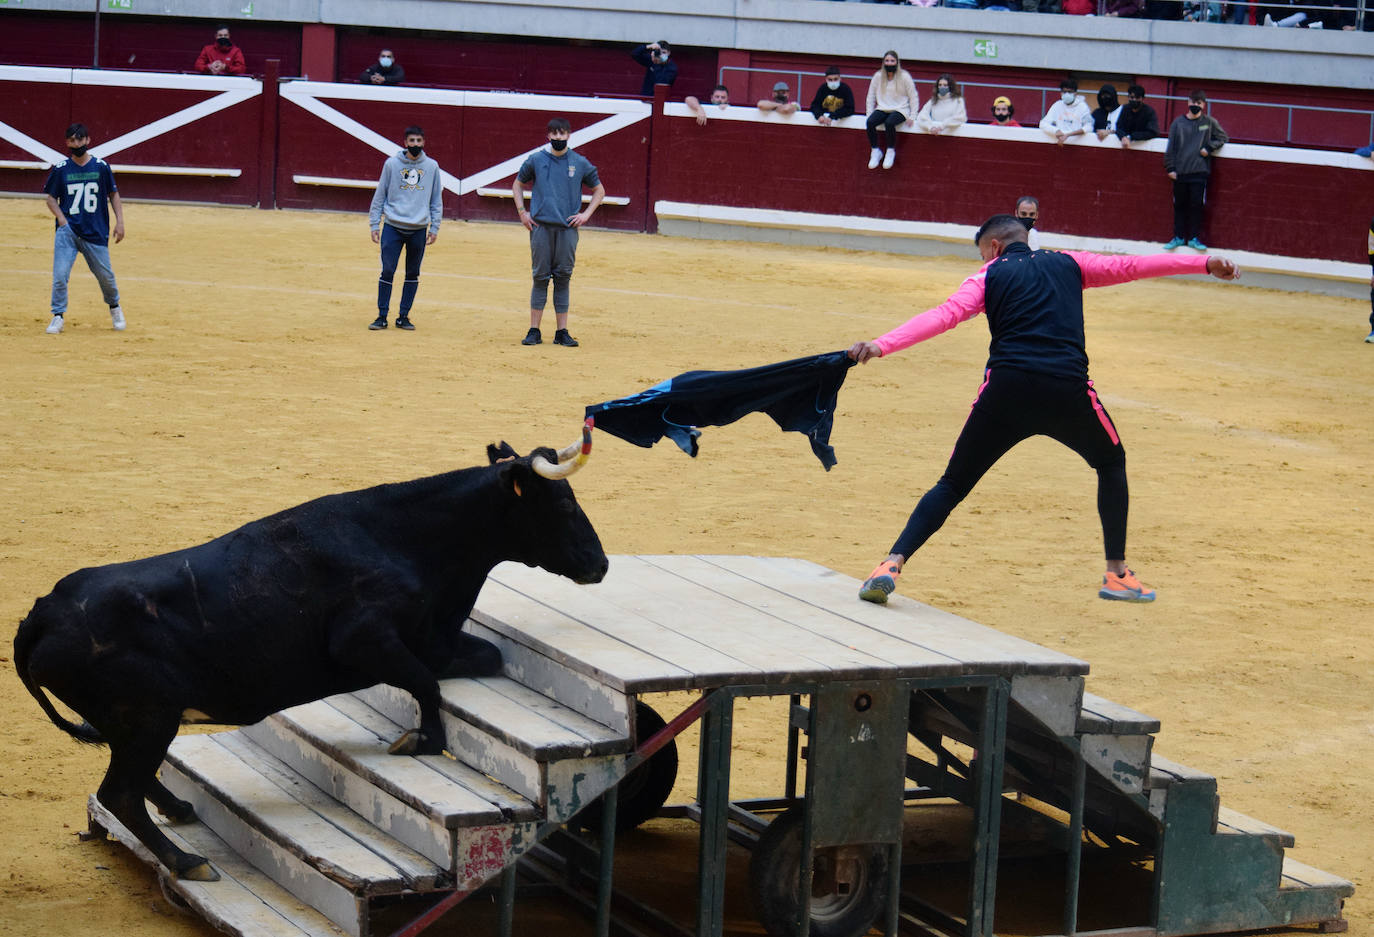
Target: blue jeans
x,y
393,239
65,246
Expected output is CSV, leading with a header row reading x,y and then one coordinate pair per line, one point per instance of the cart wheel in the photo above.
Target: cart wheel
x,y
850,882
644,790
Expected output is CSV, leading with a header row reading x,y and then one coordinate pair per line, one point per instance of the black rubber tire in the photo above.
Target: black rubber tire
x,y
774,870
646,789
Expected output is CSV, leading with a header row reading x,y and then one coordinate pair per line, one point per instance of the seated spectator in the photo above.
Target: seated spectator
x,y
1003,114
892,103
1028,212
1202,11
778,102
945,111
720,97
833,101
1106,113
384,71
221,57
1137,120
1068,117
1124,8
658,67
1080,7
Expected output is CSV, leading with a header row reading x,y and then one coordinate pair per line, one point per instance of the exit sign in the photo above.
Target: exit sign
x,y
984,49
121,4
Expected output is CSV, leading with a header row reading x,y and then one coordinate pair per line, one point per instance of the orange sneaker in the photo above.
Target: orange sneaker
x,y
1125,588
880,583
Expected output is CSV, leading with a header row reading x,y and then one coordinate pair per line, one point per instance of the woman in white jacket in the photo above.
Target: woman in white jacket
x,y
945,111
892,102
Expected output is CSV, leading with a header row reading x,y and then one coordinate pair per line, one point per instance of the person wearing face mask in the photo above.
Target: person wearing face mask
x,y
1070,116
659,66
720,99
1137,120
833,101
892,103
77,190
410,197
559,174
779,102
1106,113
1028,213
385,71
221,57
1003,113
945,111
1193,140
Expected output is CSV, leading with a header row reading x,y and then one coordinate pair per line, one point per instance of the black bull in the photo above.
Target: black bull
x,y
334,595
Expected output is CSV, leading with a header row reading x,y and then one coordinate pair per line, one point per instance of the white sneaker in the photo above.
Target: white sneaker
x,y
55,325
874,158
889,158
117,318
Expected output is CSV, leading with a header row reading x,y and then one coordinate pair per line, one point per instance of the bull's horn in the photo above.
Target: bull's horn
x,y
570,459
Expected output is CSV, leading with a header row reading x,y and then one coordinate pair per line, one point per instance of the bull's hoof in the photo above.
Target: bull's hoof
x,y
408,744
203,871
181,812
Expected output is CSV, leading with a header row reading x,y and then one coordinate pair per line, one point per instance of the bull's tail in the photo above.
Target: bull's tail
x,y
25,640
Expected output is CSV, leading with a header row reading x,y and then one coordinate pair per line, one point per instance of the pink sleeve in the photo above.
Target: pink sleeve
x,y
965,303
1106,270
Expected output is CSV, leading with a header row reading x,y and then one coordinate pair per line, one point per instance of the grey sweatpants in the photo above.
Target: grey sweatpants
x,y
553,251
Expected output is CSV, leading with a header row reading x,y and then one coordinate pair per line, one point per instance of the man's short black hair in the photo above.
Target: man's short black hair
x,y
1071,83
832,70
663,44
1136,91
1028,198
721,88
77,131
223,27
413,130
1002,227
1198,95
559,123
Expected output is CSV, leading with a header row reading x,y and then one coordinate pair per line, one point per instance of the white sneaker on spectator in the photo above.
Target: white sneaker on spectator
x,y
55,325
117,318
889,158
874,158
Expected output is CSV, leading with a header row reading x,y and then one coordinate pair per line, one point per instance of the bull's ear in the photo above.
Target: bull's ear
x,y
514,476
497,453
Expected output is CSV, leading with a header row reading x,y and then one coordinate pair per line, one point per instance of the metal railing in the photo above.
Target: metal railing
x,y
1211,11
1018,93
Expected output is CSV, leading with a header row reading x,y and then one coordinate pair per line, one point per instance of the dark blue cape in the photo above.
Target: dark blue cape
x,y
799,395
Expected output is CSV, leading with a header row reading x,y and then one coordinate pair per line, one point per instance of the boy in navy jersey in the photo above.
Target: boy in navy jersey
x,y
77,189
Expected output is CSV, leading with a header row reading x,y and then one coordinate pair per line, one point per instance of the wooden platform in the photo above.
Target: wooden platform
x,y
313,824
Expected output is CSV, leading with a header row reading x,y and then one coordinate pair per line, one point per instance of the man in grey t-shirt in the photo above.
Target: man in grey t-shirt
x,y
553,219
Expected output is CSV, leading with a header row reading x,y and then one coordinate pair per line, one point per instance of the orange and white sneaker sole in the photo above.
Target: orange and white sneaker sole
x,y
881,583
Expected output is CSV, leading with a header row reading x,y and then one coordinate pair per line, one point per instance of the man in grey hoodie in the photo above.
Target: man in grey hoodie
x,y
1194,139
410,197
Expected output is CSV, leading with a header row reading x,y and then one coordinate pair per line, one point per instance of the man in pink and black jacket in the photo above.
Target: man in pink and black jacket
x,y
1035,382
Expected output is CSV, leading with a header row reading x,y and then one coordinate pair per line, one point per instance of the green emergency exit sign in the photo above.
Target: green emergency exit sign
x,y
984,49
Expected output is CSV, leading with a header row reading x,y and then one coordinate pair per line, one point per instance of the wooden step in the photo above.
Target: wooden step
x,y
551,755
1100,716
243,903
289,829
1233,822
340,744
1296,875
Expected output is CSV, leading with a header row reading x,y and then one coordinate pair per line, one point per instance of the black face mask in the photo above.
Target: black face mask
x,y
1135,105
77,151
890,69
1026,223
223,43
415,151
1194,109
558,146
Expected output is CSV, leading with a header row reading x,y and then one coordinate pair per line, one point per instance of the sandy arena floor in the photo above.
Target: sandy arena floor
x,y
247,382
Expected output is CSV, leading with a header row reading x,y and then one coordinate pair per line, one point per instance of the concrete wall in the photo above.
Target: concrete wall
x,y
1202,52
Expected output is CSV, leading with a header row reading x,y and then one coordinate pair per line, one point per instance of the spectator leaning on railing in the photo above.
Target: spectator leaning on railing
x,y
945,110
659,69
833,101
1137,120
1003,113
1106,113
779,102
385,71
1068,117
720,97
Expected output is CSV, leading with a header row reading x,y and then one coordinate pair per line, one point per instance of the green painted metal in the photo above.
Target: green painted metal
x,y
856,770
988,765
713,794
